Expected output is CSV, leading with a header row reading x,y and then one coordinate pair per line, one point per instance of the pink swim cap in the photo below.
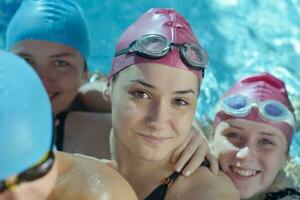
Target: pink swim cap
x,y
259,88
165,22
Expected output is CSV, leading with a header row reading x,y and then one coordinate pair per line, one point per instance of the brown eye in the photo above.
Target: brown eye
x,y
180,102
140,95
61,63
265,141
235,138
29,61
233,135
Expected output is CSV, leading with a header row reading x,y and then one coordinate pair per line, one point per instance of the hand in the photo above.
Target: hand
x,y
220,143
192,152
92,96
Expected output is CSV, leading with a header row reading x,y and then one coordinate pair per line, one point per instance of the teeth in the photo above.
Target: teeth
x,y
244,172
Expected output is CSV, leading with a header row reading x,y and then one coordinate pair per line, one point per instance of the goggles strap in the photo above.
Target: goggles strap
x,y
11,184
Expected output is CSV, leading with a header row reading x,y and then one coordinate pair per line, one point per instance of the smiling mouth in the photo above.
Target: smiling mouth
x,y
244,172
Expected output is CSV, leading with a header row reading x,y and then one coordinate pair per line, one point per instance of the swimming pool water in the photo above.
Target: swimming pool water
x,y
242,38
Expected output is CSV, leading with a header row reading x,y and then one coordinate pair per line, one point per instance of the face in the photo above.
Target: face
x,y
262,151
153,106
38,189
61,68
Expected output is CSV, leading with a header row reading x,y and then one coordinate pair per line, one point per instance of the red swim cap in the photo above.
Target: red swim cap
x,y
165,22
259,88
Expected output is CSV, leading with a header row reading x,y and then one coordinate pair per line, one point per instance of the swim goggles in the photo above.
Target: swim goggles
x,y
155,46
271,110
38,170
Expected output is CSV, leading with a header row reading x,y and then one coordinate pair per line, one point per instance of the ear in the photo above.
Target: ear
x,y
85,75
107,91
285,161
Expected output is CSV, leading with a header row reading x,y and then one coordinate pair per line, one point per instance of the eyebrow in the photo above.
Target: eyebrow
x,y
269,134
236,127
263,133
60,55
153,87
185,91
24,54
143,83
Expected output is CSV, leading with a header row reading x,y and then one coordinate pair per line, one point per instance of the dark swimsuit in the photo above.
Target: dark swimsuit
x,y
287,192
161,191
60,129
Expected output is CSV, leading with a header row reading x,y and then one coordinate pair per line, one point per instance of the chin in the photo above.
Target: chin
x,y
153,155
247,195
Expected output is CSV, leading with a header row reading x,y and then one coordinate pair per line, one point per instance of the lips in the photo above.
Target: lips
x,y
154,139
243,172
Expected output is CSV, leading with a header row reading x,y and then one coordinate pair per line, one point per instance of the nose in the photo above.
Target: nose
x,y
246,153
158,116
242,153
46,75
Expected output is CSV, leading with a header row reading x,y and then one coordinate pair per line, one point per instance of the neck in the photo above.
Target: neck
x,y
143,175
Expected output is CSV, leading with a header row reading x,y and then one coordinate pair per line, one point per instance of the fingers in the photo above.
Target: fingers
x,y
111,163
194,162
214,165
193,147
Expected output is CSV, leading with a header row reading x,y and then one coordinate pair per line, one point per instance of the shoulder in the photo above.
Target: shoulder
x,y
81,177
204,185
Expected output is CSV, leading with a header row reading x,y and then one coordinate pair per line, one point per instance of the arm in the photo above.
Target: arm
x,y
192,152
84,178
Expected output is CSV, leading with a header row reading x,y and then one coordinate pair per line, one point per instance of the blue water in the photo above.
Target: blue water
x,y
242,37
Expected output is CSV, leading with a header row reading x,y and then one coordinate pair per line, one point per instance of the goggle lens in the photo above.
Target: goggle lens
x,y
195,55
153,45
274,110
236,102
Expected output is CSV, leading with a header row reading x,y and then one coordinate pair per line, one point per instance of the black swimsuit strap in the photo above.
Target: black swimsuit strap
x,y
60,131
160,192
283,193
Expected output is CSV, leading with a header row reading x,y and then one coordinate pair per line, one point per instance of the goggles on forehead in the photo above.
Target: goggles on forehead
x,y
38,170
155,46
271,110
